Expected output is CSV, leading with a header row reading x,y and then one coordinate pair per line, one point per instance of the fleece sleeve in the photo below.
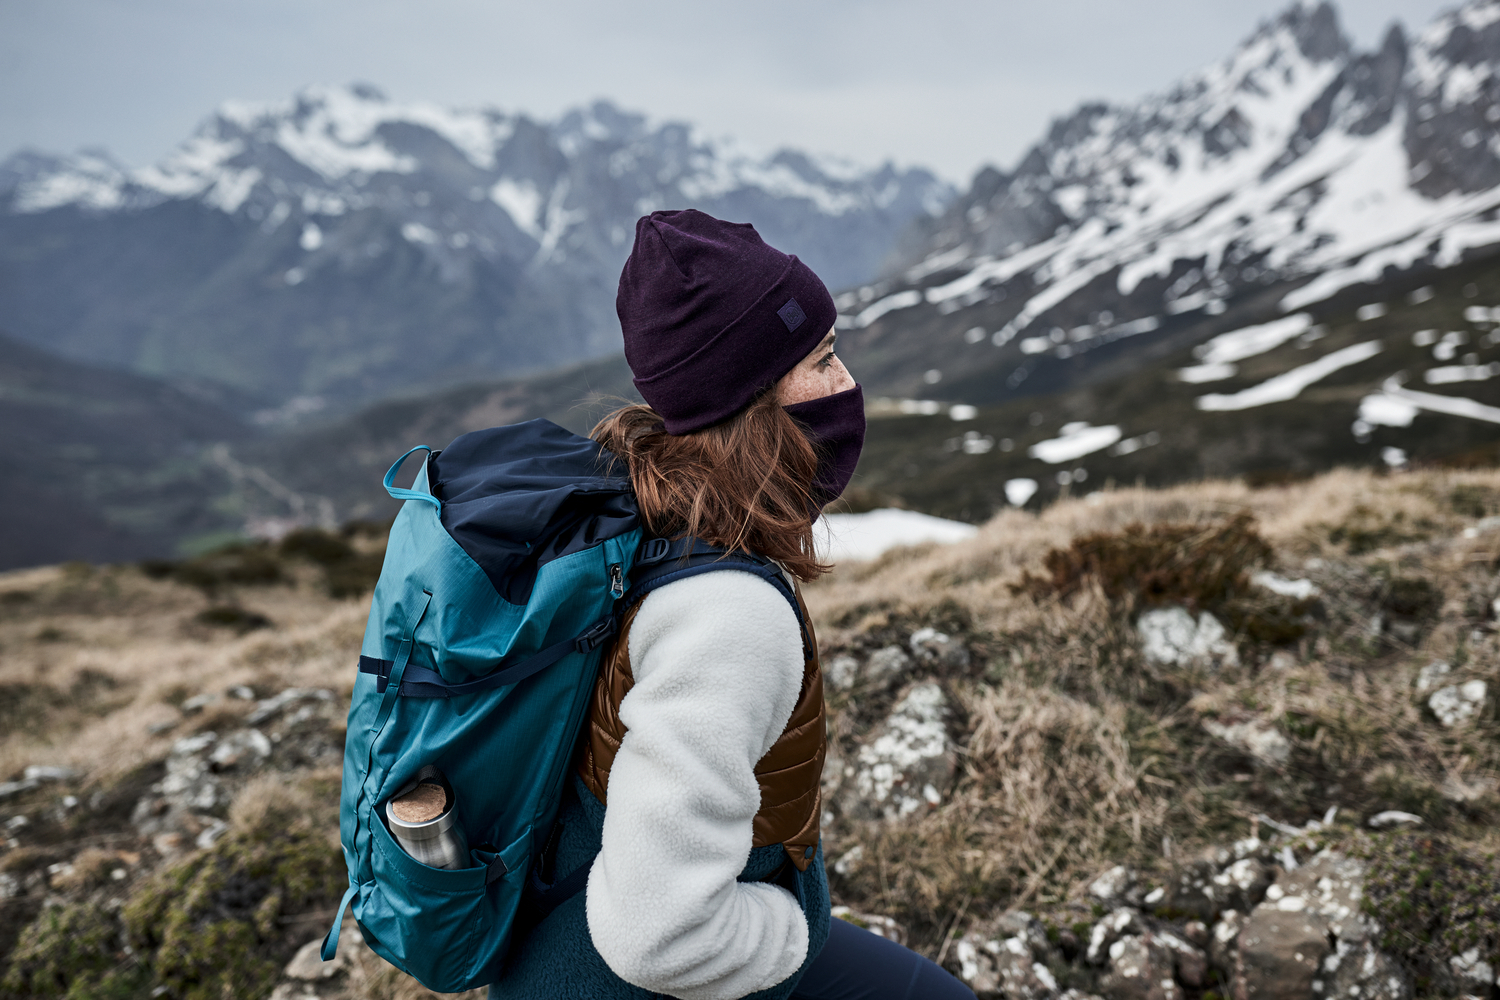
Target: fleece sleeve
x,y
717,661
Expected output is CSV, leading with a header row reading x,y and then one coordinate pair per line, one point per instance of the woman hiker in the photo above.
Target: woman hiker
x,y
698,779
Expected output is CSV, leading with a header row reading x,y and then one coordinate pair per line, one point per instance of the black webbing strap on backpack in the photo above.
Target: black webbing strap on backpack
x,y
423,682
658,562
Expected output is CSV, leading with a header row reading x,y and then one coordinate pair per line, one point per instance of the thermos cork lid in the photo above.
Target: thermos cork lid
x,y
420,805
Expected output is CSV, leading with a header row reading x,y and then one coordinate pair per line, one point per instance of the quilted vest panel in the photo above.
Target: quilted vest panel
x,y
790,774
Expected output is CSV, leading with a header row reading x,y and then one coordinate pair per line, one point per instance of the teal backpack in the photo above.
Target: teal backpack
x,y
505,571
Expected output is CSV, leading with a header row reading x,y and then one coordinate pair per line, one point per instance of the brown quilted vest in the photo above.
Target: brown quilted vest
x,y
790,774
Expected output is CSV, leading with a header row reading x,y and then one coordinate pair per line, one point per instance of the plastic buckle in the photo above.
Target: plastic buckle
x,y
591,639
652,550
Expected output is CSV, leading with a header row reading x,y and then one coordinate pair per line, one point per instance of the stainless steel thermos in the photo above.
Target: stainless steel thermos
x,y
423,820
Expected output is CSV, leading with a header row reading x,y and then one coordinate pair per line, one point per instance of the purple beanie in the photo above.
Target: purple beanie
x,y
712,315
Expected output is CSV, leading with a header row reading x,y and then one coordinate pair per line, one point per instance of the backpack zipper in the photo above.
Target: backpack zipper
x,y
616,581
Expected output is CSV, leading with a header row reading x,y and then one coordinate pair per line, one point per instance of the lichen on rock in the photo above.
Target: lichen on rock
x,y
904,768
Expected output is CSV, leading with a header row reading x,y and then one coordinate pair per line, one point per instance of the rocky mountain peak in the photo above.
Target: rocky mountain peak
x,y
1295,160
479,224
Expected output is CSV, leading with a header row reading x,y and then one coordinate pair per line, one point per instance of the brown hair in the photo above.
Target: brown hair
x,y
744,483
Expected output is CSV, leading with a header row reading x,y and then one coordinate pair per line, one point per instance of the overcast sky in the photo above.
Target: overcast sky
x,y
950,84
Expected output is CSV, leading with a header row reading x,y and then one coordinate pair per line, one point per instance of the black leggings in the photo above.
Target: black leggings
x,y
858,965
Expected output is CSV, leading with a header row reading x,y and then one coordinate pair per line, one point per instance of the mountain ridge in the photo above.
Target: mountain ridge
x,y
1270,180
341,245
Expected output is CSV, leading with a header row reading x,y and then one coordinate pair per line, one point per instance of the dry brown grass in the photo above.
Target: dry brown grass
x,y
119,653
1078,755
1074,753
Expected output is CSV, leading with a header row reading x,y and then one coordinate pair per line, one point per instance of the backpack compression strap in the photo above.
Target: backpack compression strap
x,y
424,682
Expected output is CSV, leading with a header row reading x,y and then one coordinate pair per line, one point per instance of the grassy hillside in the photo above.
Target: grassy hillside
x,y
1068,751
959,469
105,465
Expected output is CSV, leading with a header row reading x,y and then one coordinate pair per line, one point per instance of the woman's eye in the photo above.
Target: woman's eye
x,y
826,360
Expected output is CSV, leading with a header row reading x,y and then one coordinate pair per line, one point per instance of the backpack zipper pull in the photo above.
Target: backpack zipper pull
x,y
616,581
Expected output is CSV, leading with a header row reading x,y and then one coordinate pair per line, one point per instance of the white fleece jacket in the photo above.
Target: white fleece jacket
x,y
717,661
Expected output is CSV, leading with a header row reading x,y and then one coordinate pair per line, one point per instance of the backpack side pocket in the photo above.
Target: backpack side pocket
x,y
443,926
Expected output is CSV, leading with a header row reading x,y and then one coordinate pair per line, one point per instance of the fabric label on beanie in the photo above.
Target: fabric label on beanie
x,y
792,315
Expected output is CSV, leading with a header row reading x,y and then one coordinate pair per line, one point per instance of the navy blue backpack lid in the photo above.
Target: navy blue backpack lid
x,y
505,572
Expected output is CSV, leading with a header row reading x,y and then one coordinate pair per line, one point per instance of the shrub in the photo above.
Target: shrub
x,y
242,563
1473,500
232,616
316,545
1411,597
1367,530
354,576
347,572
1196,565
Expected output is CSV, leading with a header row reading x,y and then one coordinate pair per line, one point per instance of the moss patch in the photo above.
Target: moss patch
x,y
213,925
1434,900
73,951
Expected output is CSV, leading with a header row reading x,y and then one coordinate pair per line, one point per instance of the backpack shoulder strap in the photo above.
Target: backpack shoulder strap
x,y
660,561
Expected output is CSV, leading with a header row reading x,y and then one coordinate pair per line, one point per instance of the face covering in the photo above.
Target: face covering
x,y
836,427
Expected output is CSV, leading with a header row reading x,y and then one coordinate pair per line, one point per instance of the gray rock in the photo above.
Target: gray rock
x,y
1189,961
44,772
271,707
1458,703
194,785
1192,889
1172,637
245,747
1473,971
10,789
1357,970
876,923
308,964
1257,737
1020,924
1224,941
1109,930
1001,970
1242,885
1430,676
198,703
1394,818
887,665
935,648
1280,954
841,672
1196,931
210,834
1116,887
1140,968
901,770
1311,929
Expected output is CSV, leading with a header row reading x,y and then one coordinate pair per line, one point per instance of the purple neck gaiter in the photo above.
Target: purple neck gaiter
x,y
836,427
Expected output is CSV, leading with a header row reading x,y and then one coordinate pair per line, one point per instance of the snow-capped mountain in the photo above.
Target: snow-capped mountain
x,y
341,244
1289,171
